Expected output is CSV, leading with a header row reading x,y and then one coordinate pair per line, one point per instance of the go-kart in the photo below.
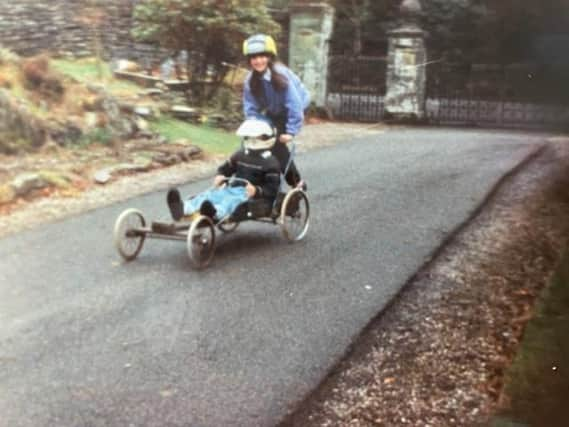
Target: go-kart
x,y
290,210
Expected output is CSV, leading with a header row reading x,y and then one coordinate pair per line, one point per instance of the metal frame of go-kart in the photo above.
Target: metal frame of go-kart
x,y
131,230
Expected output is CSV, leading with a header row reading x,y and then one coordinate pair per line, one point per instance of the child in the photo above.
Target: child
x,y
254,163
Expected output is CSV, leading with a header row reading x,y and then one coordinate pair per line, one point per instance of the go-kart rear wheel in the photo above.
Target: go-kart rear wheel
x,y
128,240
201,241
295,212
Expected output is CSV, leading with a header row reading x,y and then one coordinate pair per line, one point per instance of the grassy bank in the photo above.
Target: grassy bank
x,y
88,71
211,140
538,380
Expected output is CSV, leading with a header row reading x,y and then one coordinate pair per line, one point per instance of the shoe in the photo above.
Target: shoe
x,y
302,185
240,212
175,204
207,209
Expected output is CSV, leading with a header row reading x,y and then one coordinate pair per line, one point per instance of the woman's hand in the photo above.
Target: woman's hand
x,y
285,137
218,180
251,190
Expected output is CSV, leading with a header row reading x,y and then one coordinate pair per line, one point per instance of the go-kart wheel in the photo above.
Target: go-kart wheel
x,y
201,241
128,240
295,212
228,226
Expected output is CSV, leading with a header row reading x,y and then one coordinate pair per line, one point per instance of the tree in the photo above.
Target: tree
x,y
455,29
93,15
211,31
356,12
360,25
517,24
491,31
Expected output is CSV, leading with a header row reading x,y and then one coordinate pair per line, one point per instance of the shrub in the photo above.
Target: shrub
x,y
39,77
314,112
35,71
52,87
12,144
5,83
97,135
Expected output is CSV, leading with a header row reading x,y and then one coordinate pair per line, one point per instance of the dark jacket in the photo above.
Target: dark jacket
x,y
260,167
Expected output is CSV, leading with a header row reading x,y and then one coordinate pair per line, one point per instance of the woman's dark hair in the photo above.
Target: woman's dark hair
x,y
278,81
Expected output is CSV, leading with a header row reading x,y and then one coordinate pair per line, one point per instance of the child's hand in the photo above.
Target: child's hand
x,y
218,180
285,137
251,190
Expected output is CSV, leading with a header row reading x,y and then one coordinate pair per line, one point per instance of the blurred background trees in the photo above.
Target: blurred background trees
x,y
461,32
210,31
486,31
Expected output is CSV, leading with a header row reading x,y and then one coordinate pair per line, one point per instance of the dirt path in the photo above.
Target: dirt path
x,y
31,213
438,355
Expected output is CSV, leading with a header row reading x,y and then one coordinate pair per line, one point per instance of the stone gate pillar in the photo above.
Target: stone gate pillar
x,y
406,70
311,25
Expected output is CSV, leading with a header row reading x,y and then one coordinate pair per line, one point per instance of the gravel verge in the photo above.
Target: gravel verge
x,y
438,354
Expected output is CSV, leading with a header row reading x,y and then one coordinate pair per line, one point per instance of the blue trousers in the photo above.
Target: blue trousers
x,y
224,199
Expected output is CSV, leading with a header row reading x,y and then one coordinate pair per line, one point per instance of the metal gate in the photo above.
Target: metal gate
x,y
356,87
514,96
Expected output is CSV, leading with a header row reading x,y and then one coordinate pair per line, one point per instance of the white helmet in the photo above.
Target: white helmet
x,y
257,134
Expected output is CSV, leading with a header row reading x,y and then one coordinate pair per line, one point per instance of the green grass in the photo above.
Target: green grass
x,y
98,135
538,380
87,71
83,70
210,140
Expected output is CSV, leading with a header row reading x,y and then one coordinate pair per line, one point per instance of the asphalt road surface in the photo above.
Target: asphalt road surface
x,y
87,340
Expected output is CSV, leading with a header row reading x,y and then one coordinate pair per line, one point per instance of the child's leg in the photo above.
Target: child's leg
x,y
193,205
226,200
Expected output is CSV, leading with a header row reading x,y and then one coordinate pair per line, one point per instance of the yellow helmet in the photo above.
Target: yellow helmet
x,y
259,43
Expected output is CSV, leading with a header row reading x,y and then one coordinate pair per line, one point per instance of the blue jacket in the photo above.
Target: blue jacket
x,y
292,101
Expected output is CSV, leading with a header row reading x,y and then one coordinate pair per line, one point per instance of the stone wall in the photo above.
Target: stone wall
x,y
29,27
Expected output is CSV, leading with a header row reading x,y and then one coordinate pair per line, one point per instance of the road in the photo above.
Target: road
x,y
87,340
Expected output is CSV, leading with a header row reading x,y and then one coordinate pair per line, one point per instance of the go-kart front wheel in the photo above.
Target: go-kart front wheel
x,y
295,212
127,236
201,241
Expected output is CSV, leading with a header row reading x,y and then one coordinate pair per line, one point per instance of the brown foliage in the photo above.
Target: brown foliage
x,y
35,70
5,83
38,77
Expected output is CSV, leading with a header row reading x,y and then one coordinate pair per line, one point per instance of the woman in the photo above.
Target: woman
x,y
274,91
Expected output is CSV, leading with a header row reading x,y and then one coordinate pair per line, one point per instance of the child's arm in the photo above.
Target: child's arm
x,y
227,169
